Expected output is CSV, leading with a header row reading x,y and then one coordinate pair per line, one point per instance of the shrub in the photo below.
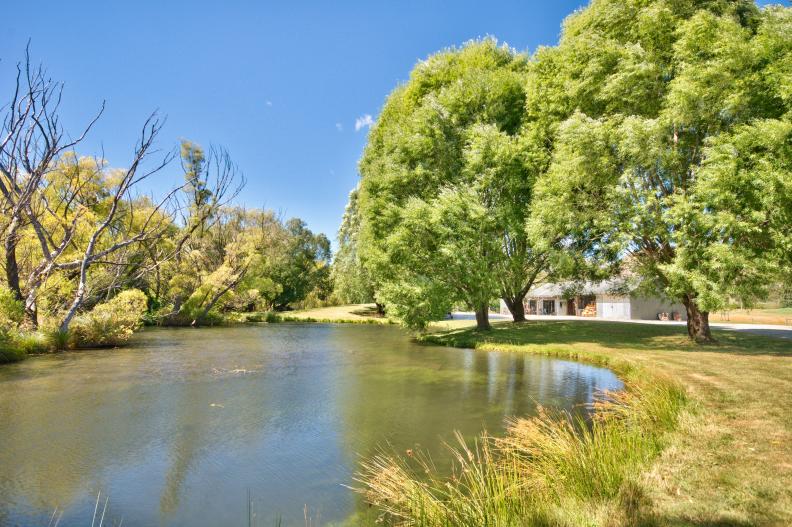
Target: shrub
x,y
110,323
56,340
15,345
9,351
12,311
31,342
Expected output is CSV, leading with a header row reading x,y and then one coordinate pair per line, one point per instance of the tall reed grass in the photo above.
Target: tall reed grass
x,y
555,468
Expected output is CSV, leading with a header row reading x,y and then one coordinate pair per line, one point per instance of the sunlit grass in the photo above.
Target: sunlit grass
x,y
350,314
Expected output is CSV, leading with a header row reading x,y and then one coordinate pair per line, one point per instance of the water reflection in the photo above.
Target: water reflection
x,y
178,427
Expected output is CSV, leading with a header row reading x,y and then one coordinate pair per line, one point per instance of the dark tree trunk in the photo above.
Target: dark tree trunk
x,y
697,321
482,318
12,270
516,308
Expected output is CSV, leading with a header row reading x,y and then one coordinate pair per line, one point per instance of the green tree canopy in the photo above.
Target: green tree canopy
x,y
454,129
672,151
351,280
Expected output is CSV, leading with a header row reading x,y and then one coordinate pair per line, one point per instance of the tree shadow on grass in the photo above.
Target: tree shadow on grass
x,y
615,335
367,311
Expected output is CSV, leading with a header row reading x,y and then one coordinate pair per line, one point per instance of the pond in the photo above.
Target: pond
x,y
180,427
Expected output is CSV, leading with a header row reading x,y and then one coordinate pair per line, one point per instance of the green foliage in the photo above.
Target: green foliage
x,y
453,141
447,250
57,339
10,351
110,323
194,164
15,344
786,294
270,317
672,147
352,282
12,311
244,261
303,264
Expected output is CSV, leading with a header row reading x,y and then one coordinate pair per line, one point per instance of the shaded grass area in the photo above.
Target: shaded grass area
x,y
724,458
610,335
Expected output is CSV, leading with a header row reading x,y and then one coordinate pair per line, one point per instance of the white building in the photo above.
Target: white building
x,y
606,299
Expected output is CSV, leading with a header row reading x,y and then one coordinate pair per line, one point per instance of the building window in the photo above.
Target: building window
x,y
532,307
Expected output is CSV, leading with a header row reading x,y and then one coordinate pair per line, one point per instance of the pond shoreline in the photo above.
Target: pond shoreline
x,y
287,410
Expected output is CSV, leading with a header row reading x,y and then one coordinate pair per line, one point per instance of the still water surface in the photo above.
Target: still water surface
x,y
178,427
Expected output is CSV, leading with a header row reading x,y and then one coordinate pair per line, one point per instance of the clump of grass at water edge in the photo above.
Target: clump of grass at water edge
x,y
555,468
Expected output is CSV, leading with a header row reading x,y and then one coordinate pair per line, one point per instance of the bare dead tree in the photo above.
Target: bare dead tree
x,y
31,139
33,153
153,227
213,185
210,186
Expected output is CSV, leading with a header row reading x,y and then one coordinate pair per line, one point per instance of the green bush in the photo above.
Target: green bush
x,y
15,345
12,311
57,340
31,342
9,351
110,323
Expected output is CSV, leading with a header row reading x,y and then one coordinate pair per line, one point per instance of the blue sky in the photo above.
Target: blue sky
x,y
280,85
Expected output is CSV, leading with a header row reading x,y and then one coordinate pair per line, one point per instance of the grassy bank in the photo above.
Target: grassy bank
x,y
720,459
348,314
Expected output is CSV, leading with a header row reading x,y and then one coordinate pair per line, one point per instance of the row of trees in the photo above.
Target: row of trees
x,y
76,232
655,138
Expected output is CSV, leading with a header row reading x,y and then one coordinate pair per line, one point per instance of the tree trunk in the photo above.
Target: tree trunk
x,y
516,308
75,305
31,310
12,269
697,321
482,318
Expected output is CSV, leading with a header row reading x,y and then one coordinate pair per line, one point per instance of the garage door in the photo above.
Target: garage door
x,y
614,307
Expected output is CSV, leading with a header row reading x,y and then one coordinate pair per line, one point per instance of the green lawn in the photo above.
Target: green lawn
x,y
729,462
353,313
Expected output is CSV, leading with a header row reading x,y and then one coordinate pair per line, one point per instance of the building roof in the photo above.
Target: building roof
x,y
613,286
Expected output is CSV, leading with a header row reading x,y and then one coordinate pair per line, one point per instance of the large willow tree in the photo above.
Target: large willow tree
x,y
447,178
673,144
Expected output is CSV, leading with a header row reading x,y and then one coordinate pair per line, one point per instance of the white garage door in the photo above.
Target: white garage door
x,y
613,307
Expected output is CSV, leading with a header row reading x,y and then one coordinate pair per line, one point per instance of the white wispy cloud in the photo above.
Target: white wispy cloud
x,y
363,121
269,103
339,127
